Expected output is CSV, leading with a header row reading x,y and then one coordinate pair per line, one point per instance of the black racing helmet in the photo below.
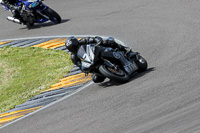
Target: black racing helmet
x,y
72,44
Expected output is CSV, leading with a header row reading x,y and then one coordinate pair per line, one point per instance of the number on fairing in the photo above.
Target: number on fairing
x,y
32,0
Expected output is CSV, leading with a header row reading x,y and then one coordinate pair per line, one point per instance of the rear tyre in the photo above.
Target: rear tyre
x,y
29,24
53,15
28,19
141,63
117,75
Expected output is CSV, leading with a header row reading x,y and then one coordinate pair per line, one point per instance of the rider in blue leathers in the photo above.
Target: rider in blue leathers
x,y
13,7
72,44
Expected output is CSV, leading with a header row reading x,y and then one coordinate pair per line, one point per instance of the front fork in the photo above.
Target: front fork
x,y
40,11
43,15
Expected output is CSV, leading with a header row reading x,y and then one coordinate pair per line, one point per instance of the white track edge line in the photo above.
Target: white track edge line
x,y
52,103
48,105
46,37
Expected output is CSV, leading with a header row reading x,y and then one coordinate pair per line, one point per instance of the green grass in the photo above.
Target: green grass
x,y
25,72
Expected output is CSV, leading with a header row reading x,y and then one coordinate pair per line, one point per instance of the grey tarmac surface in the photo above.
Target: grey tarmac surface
x,y
165,99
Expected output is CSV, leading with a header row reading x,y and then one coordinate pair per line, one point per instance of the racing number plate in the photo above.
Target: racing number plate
x,y
135,67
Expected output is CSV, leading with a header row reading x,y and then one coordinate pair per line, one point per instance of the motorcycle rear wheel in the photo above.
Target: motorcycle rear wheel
x,y
28,18
117,75
53,15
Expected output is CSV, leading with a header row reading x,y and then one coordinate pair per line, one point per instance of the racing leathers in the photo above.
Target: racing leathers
x,y
13,7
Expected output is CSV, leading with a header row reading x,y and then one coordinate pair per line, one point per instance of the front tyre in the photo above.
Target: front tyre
x,y
141,63
53,16
117,75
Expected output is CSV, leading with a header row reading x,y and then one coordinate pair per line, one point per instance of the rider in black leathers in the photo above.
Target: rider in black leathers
x,y
13,7
72,44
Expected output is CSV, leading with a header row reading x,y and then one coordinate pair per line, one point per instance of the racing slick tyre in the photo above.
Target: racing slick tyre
x,y
28,19
53,15
141,63
118,75
30,24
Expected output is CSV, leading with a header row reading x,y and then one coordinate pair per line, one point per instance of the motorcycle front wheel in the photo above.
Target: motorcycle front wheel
x,y
53,15
118,75
141,63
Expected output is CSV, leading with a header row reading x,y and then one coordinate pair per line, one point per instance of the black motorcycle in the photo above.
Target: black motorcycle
x,y
118,67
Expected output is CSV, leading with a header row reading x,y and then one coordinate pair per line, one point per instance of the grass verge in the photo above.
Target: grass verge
x,y
24,72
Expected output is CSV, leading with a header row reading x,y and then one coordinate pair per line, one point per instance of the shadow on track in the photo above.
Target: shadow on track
x,y
47,24
135,76
138,75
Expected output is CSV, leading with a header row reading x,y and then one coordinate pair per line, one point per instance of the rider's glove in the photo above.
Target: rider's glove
x,y
127,50
82,41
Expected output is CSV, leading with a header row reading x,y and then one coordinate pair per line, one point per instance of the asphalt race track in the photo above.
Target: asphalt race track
x,y
164,99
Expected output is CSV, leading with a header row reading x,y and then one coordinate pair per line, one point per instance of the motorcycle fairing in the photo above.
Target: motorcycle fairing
x,y
32,4
86,54
130,67
2,3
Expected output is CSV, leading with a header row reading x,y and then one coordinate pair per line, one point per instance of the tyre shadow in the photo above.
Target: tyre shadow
x,y
135,75
138,75
46,24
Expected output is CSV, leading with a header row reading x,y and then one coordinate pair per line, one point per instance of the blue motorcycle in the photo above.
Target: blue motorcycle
x,y
34,11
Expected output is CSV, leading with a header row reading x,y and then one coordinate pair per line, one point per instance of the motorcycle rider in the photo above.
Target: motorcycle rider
x,y
13,7
73,44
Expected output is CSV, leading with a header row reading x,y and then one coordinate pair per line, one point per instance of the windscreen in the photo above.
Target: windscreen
x,y
81,52
86,53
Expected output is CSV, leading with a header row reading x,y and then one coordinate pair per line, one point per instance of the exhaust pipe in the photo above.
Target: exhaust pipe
x,y
15,20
